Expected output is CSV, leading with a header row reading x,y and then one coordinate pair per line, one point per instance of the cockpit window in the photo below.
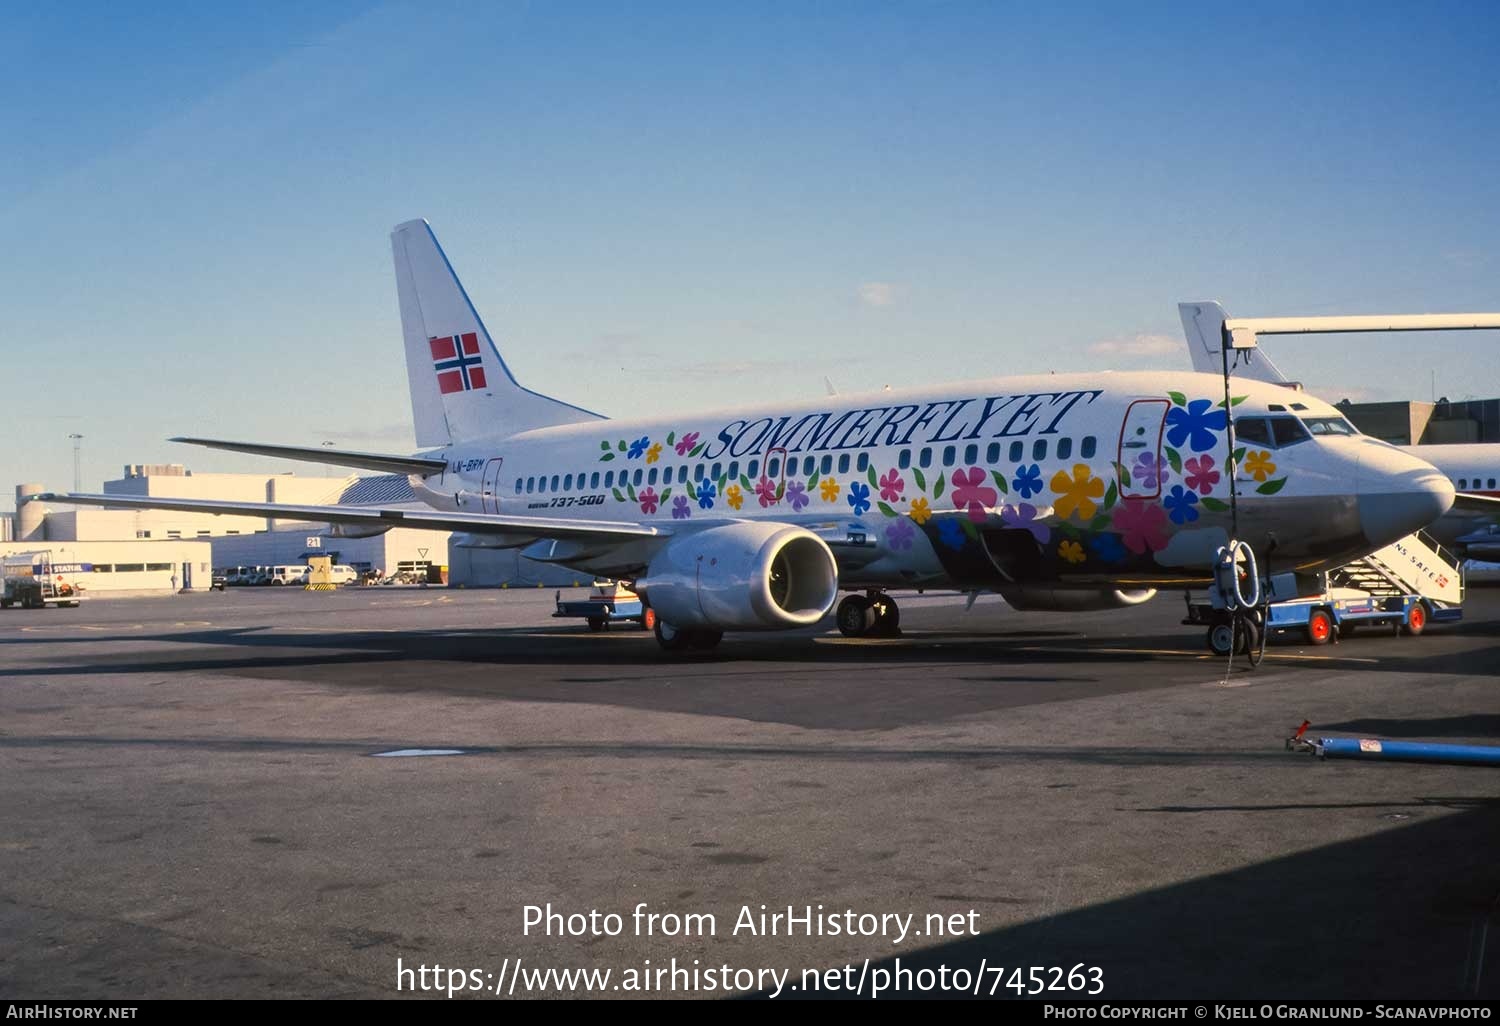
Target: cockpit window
x,y
1252,431
1287,431
1329,426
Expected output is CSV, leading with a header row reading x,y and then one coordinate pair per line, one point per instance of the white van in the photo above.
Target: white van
x,y
288,575
342,574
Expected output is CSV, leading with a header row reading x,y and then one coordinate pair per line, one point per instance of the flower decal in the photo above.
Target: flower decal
x,y
796,494
1142,525
1148,471
680,508
1180,505
648,500
654,453
1107,547
765,490
706,493
686,442
1076,494
1259,466
900,534
638,448
1195,424
734,496
858,497
952,533
1028,481
1023,518
829,489
920,511
1071,551
970,492
891,486
1201,475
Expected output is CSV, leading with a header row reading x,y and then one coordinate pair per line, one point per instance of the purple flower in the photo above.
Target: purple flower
x,y
796,494
1023,518
680,508
900,534
1148,471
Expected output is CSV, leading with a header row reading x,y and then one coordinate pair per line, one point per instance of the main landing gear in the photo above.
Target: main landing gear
x,y
676,639
872,615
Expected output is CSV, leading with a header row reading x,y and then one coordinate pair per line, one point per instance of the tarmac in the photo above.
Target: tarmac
x,y
197,800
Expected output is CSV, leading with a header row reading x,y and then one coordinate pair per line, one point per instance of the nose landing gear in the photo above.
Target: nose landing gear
x,y
874,614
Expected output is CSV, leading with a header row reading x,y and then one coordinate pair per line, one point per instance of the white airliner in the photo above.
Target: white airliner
x,y
1472,525
1065,492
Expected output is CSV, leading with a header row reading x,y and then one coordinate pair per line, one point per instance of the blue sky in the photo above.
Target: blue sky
x,y
667,207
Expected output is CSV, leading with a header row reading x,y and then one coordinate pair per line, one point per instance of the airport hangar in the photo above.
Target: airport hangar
x,y
136,552
147,552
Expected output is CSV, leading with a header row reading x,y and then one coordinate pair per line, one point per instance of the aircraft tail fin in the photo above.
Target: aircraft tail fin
x,y
461,388
1203,324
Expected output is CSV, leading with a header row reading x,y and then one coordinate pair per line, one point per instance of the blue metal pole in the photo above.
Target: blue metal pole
x,y
1408,751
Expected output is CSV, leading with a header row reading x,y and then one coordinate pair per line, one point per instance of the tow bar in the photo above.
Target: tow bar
x,y
1395,751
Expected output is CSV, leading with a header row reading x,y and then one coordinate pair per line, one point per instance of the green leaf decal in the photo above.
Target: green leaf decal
x,y
1111,496
1234,400
1000,482
723,483
887,510
671,437
1173,458
812,481
604,446
870,475
630,490
745,483
618,496
1272,487
1213,505
1099,523
696,450
1239,454
970,529
1178,398
606,457
622,445
937,487
666,493
921,481
1124,475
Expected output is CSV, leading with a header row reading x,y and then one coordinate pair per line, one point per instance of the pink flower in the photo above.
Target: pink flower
x,y
1142,525
686,442
969,490
765,488
1201,475
648,500
891,486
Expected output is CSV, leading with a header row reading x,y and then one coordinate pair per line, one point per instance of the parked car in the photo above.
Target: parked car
x,y
287,574
219,580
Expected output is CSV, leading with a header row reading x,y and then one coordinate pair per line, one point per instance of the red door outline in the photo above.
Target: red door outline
x,y
1136,432
490,492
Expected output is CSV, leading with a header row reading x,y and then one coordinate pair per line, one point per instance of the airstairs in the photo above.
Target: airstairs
x,y
1415,565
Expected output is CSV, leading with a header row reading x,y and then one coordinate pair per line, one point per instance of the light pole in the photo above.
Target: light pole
x,y
77,462
327,470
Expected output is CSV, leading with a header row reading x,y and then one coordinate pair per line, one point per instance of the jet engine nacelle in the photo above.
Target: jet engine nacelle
x,y
742,576
1068,600
357,530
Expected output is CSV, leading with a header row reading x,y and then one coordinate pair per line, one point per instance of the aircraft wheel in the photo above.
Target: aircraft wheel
x,y
887,616
1416,620
1319,627
671,639
705,639
855,616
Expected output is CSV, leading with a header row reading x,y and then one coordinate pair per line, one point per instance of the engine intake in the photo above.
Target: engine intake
x,y
742,576
1069,600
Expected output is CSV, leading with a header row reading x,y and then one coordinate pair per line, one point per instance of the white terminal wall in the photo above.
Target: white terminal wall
x,y
283,488
290,545
174,554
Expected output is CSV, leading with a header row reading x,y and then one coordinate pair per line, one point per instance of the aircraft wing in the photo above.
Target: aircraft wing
x,y
432,520
383,462
1467,502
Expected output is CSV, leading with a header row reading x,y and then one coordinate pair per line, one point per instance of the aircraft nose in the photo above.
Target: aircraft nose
x,y
1399,494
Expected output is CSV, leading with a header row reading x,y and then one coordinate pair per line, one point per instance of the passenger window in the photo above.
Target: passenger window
x,y
1287,431
698,472
718,472
1017,451
1492,484
992,454
1039,450
827,464
924,459
1064,448
773,468
843,463
904,460
949,453
1252,430
651,477
682,473
609,479
530,485
1463,482
639,473
971,454
754,470
864,462
734,470
568,483
1087,449
556,481
808,466
519,484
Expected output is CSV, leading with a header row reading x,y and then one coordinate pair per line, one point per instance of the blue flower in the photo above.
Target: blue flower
x,y
1180,505
1107,547
951,532
706,493
638,448
859,497
1195,425
1028,481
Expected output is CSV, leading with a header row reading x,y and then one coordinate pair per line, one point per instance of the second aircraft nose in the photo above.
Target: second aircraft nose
x,y
1399,494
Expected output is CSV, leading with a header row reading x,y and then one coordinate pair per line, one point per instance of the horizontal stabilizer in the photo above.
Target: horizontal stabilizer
x,y
431,520
386,464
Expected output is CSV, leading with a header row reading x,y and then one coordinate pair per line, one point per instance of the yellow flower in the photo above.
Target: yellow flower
x,y
654,453
829,489
733,496
1071,551
1259,465
920,511
1077,494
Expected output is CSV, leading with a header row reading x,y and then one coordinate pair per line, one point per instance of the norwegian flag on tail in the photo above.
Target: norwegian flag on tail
x,y
457,362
